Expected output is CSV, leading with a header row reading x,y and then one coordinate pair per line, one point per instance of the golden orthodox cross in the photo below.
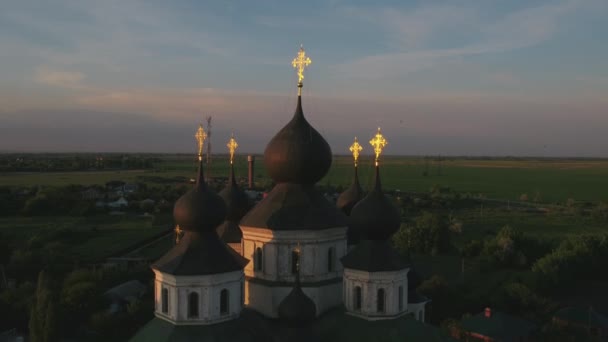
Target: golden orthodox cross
x,y
232,145
378,142
355,148
178,234
301,62
200,138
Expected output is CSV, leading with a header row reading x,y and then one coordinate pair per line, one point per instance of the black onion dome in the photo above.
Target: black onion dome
x,y
297,307
237,201
375,217
351,196
297,153
199,209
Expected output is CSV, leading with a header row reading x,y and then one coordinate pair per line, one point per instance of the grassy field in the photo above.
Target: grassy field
x,y
477,225
552,181
90,238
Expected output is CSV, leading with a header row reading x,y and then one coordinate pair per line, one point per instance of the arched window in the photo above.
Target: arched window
x,y
257,259
380,301
193,305
357,299
224,302
400,298
295,262
330,259
165,300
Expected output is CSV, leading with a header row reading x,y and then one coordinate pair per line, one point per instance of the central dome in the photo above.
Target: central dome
x,y
297,153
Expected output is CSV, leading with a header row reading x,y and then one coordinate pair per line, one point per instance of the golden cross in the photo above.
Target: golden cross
x,y
378,142
178,234
301,62
355,148
232,145
200,138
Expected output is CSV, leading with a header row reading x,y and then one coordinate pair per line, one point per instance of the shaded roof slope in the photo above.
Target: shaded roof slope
x,y
294,207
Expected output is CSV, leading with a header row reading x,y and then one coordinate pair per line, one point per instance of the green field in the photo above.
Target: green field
x,y
89,238
551,181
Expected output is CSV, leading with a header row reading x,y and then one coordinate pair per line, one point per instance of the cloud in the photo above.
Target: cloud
x,y
63,79
521,29
412,28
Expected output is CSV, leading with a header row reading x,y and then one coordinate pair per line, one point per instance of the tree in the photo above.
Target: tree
x,y
43,317
429,234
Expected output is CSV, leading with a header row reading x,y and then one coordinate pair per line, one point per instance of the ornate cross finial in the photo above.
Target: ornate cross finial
x,y
178,233
355,148
378,142
232,145
301,62
200,138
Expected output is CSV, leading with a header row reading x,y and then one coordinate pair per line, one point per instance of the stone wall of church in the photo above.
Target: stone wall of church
x,y
365,303
208,291
272,266
319,254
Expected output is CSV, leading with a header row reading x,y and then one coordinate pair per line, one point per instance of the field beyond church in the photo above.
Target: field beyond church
x,y
541,180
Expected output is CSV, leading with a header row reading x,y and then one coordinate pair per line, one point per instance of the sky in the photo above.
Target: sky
x,y
458,77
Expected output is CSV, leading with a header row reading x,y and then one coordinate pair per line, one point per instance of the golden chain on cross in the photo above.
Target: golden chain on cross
x,y
355,148
300,63
232,145
378,142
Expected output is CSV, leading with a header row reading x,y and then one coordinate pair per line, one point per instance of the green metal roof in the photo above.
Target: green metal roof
x,y
582,316
499,326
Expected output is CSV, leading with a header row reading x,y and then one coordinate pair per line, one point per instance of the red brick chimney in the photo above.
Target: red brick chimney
x,y
488,313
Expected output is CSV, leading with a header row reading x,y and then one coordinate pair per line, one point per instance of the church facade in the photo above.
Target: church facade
x,y
293,267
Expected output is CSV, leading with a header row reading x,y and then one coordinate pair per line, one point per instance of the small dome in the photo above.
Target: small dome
x,y
199,209
297,307
350,196
237,202
375,217
297,153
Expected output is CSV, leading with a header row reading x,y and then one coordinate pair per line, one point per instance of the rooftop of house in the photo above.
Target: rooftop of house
x,y
498,325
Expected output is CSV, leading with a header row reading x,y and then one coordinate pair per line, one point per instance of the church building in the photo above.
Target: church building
x,y
295,267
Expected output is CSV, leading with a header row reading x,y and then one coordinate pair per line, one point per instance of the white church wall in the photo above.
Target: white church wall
x,y
277,247
370,283
208,288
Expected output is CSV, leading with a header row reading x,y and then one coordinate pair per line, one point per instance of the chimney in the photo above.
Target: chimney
x,y
251,160
488,313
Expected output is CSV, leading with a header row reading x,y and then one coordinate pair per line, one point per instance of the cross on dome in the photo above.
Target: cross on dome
x,y
200,138
378,142
232,145
300,63
355,148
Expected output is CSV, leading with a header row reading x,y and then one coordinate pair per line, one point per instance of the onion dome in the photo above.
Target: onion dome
x,y
375,217
351,196
297,153
199,209
297,308
237,201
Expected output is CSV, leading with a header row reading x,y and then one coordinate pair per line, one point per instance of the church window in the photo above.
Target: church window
x,y
165,300
357,298
193,304
380,300
224,302
257,259
400,298
295,262
330,259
